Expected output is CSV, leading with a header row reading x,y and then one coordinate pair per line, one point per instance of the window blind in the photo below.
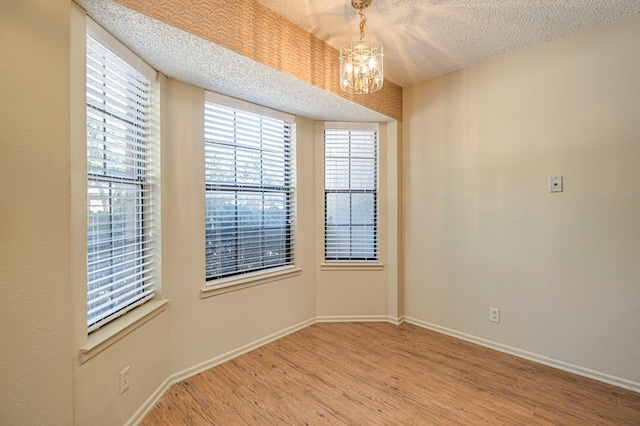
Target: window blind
x,y
350,196
119,258
249,193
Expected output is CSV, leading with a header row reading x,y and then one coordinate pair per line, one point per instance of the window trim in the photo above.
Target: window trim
x,y
116,46
112,328
248,106
346,265
251,279
343,264
115,330
215,286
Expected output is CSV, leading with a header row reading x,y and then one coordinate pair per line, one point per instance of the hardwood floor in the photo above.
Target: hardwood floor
x,y
381,374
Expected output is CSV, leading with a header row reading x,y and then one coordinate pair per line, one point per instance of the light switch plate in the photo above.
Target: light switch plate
x,y
555,184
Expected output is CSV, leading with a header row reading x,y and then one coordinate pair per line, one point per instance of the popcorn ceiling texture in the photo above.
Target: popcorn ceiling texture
x,y
254,31
282,53
194,60
423,39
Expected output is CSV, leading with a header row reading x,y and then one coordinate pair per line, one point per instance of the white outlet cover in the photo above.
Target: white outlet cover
x,y
124,379
555,184
494,315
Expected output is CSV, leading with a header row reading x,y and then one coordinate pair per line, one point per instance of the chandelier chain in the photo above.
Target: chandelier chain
x,y
363,22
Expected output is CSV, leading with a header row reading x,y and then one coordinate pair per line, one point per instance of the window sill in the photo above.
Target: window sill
x,y
106,336
246,282
351,266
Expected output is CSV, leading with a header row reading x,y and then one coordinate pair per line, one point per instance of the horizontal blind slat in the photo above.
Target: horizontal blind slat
x,y
98,253
105,292
140,260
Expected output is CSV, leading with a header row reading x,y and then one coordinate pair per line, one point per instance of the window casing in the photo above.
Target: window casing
x,y
249,190
351,192
119,210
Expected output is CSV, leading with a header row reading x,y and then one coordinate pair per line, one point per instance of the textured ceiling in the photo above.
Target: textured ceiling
x,y
427,38
422,39
186,57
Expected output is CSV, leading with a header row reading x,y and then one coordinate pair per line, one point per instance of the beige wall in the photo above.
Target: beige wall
x,y
483,231
481,228
367,292
45,379
193,332
202,329
35,292
96,387
43,291
391,137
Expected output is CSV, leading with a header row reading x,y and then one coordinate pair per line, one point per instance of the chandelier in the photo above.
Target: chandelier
x,y
361,69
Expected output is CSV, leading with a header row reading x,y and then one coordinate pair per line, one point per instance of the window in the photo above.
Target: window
x,y
350,192
249,192
119,256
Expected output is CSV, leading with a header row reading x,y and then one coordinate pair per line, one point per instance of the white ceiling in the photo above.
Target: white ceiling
x,y
423,39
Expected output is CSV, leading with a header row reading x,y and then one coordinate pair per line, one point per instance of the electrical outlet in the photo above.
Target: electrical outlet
x,y
555,184
124,379
494,315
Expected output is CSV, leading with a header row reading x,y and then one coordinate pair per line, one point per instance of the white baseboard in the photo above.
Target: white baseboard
x,y
199,368
356,318
140,414
541,359
145,408
189,372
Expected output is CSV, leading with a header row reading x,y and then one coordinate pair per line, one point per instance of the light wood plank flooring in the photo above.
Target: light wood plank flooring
x,y
381,374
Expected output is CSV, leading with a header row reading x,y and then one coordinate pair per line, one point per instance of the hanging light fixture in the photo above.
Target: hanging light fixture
x,y
361,64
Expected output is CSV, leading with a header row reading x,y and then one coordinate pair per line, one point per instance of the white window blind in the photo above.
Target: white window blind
x,y
351,195
249,192
119,258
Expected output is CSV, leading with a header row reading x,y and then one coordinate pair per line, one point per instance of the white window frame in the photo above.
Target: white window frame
x,y
221,282
330,254
140,279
